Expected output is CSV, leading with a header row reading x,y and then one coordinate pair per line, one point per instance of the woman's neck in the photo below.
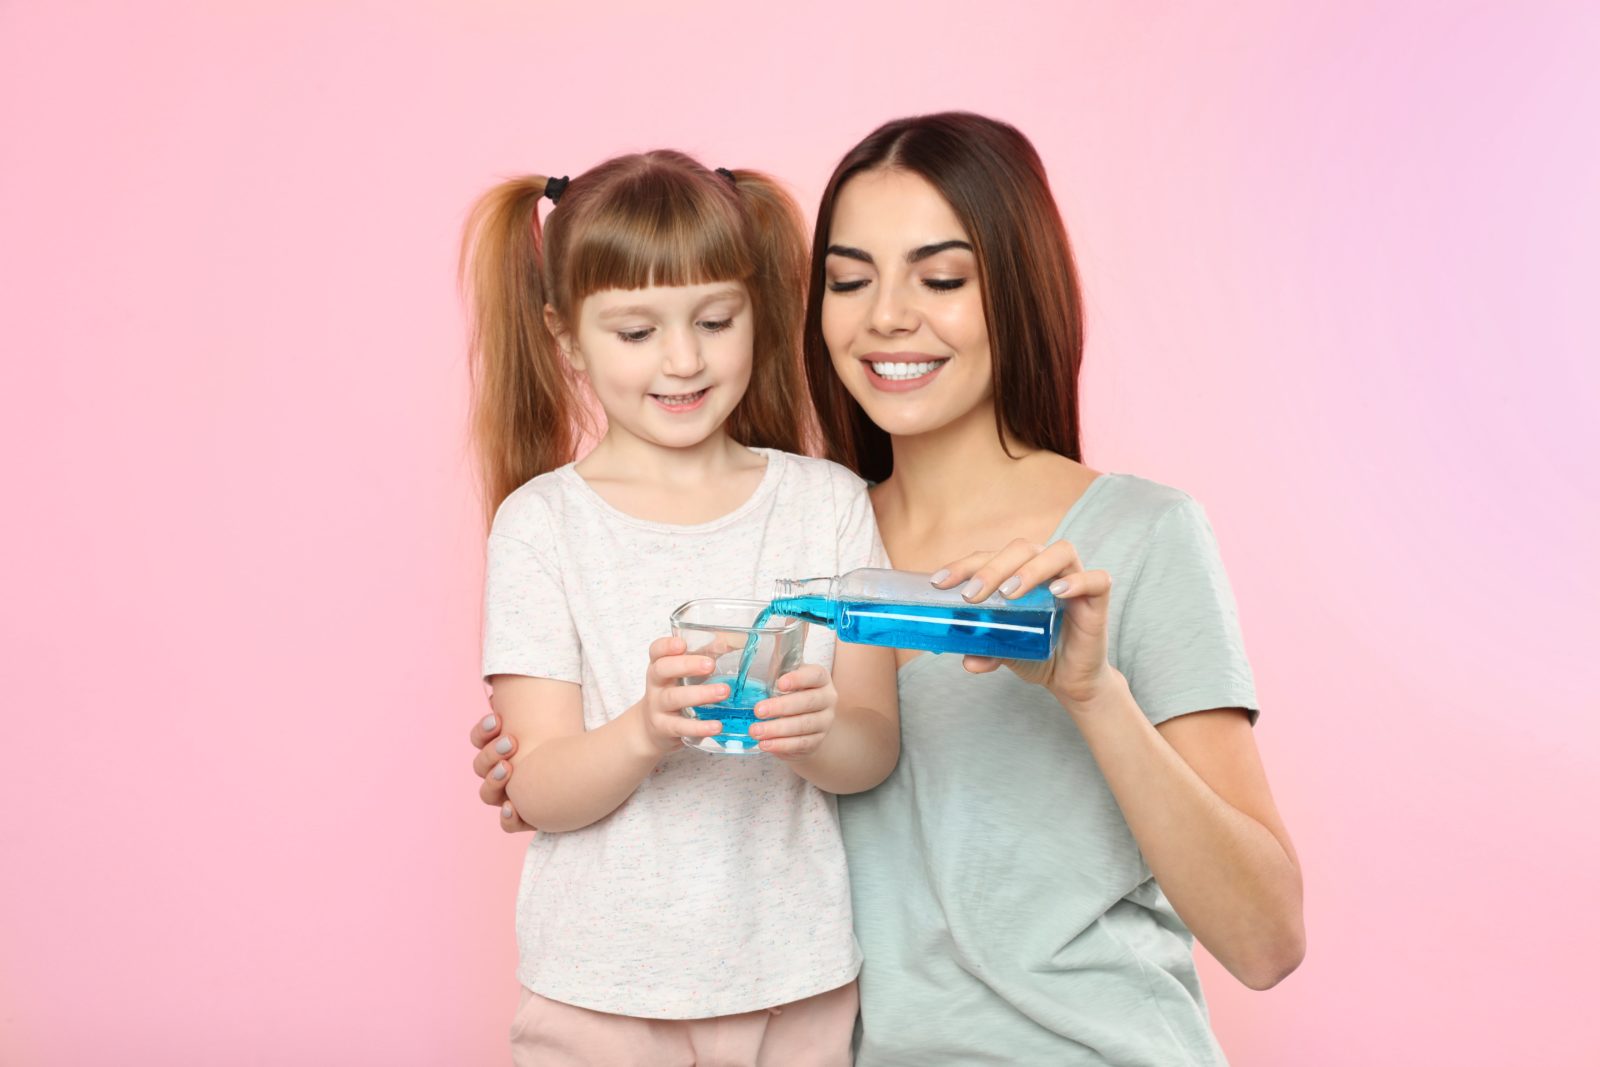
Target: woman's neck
x,y
960,479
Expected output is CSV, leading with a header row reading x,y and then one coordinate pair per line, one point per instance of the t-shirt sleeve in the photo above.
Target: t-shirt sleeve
x,y
859,543
1179,644
527,626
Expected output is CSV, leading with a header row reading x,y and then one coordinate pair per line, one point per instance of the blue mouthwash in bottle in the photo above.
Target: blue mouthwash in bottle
x,y
869,606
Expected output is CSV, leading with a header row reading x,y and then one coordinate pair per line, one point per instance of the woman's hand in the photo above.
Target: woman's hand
x,y
1077,673
494,758
794,724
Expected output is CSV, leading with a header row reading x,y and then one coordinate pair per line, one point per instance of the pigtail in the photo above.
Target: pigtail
x,y
775,411
524,397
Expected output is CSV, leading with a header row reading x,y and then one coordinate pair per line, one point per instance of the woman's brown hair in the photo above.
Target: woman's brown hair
x,y
995,182
656,218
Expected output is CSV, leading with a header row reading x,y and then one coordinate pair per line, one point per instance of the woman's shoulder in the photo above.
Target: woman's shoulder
x,y
1134,513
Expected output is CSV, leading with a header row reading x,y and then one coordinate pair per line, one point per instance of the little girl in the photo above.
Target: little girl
x,y
675,907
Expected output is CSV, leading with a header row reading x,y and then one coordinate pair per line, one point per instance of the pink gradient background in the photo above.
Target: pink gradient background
x,y
1340,266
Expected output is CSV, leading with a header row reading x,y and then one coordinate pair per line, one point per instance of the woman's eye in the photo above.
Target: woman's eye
x,y
944,285
716,326
634,337
847,287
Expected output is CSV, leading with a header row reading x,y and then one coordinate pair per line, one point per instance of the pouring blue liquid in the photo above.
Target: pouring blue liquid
x,y
897,609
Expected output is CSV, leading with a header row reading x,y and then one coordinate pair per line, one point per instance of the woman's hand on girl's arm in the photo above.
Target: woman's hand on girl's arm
x,y
493,764
839,731
1078,673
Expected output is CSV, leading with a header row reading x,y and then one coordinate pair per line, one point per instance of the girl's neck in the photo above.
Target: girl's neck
x,y
676,486
623,458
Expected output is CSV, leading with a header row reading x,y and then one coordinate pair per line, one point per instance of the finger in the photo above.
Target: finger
x,y
667,646
671,668
791,747
1085,585
980,664
493,790
684,697
793,726
510,821
953,574
999,570
806,676
683,726
807,700
484,729
495,751
1057,560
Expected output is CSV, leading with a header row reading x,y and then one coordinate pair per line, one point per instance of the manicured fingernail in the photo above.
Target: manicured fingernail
x,y
488,722
970,590
503,745
499,772
1060,586
939,575
1013,583
505,810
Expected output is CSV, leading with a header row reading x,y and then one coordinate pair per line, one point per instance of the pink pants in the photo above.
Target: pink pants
x,y
814,1032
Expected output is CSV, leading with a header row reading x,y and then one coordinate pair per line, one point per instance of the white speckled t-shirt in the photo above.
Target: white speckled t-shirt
x,y
719,886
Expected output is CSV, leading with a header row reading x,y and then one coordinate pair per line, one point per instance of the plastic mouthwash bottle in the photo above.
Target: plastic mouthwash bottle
x,y
900,609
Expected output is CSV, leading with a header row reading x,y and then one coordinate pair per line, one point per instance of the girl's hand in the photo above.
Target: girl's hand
x,y
1077,673
494,757
801,717
662,707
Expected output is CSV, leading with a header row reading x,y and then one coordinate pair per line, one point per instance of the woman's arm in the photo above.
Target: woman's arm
x,y
1195,796
1193,792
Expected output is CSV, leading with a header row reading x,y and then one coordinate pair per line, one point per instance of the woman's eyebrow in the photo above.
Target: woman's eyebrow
x,y
916,255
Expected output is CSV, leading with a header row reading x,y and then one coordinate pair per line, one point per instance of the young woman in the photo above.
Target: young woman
x,y
1029,880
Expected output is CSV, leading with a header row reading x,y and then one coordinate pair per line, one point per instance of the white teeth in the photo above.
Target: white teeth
x,y
678,400
904,372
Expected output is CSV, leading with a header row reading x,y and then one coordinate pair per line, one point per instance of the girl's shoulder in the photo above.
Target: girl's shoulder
x,y
535,507
808,474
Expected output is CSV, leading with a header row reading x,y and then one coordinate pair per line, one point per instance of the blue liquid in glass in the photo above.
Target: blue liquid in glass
x,y
1025,629
736,713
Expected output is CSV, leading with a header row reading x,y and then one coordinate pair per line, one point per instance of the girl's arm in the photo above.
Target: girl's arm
x,y
568,777
840,732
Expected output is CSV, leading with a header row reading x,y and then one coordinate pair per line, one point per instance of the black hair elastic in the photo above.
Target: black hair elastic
x,y
554,187
728,174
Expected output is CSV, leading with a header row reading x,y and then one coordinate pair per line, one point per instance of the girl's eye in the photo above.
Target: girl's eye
x,y
847,287
944,285
634,337
717,326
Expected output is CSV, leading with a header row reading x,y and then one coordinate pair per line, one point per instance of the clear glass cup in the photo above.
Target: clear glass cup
x,y
724,630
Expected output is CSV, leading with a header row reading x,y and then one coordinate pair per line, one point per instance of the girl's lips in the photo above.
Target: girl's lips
x,y
892,385
679,409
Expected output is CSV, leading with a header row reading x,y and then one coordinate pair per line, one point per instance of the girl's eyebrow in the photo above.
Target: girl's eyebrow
x,y
621,313
916,255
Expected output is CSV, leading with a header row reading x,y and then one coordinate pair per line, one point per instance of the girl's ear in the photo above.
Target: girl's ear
x,y
563,338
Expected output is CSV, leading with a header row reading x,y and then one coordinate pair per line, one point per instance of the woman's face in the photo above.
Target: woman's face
x,y
902,312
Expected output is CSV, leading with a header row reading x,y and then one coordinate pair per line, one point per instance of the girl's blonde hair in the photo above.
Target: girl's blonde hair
x,y
657,218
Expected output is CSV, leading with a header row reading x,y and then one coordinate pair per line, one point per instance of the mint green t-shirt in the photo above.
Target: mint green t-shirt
x,y
1003,907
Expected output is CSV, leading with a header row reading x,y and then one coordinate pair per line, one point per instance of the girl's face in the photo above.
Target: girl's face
x,y
902,313
667,363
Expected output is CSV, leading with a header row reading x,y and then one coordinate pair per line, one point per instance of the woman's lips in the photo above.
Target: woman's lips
x,y
902,371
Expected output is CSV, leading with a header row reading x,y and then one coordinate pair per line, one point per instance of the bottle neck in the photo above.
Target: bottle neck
x,y
811,599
